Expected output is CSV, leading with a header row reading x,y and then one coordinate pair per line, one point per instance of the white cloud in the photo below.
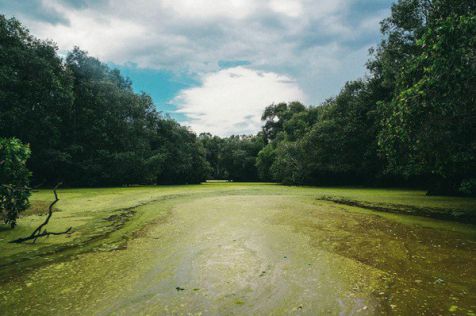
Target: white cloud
x,y
104,37
203,9
286,7
231,101
194,35
313,41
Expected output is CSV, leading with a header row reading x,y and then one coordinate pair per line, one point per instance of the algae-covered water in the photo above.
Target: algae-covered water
x,y
252,250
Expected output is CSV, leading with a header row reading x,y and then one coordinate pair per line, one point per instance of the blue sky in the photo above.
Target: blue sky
x,y
214,65
161,85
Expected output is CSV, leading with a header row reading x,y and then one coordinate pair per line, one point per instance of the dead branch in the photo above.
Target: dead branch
x,y
38,233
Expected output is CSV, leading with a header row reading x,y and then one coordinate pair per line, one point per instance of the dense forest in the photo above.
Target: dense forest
x,y
83,122
410,122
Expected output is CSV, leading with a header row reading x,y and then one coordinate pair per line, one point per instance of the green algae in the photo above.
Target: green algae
x,y
274,249
426,265
459,215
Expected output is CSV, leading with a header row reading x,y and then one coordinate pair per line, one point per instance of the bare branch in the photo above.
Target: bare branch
x,y
38,233
42,234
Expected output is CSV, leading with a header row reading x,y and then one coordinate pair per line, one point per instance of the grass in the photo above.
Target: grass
x,y
263,238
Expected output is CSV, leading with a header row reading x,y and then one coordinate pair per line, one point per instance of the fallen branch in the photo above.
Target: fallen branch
x,y
38,233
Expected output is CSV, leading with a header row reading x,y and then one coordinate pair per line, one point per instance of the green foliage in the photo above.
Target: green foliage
x,y
276,115
85,124
341,146
14,179
284,124
289,166
264,161
111,127
429,127
411,122
234,157
468,187
213,146
324,144
239,157
35,96
183,155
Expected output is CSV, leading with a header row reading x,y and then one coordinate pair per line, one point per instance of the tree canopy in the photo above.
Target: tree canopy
x,y
410,121
14,179
234,157
83,121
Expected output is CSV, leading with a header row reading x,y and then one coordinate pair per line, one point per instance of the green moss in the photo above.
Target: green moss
x,y
457,215
133,246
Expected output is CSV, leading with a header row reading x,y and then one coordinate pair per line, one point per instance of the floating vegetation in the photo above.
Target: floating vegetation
x,y
263,249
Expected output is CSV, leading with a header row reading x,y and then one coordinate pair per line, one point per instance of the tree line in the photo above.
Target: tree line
x,y
232,158
410,122
84,123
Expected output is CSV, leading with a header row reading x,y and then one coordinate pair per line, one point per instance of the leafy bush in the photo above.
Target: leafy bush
x,y
468,187
14,179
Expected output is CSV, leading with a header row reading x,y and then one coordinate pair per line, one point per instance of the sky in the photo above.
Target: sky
x,y
214,65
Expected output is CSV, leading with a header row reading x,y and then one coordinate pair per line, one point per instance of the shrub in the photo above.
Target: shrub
x,y
14,179
468,187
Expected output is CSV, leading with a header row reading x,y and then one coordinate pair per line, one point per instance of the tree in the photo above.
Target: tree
x,y
111,127
429,127
264,161
239,157
281,122
289,166
341,146
276,115
14,179
234,157
213,146
86,125
183,155
35,97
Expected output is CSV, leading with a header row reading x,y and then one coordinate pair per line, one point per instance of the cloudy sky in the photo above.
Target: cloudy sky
x,y
215,64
